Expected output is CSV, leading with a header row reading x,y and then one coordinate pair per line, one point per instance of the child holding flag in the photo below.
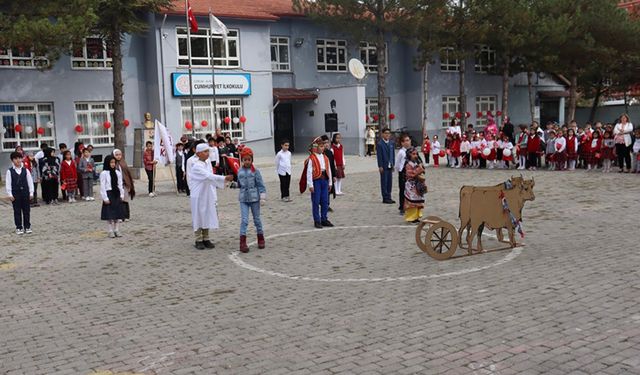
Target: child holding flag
x,y
252,195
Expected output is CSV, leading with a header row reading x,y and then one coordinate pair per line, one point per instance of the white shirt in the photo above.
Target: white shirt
x,y
18,171
105,184
184,162
465,146
323,167
189,165
214,156
204,198
626,129
636,146
562,142
435,147
283,163
401,157
454,130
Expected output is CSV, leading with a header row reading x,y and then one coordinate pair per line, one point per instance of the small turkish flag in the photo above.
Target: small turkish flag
x,y
234,164
192,20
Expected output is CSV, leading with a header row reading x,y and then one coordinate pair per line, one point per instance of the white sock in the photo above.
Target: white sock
x,y
116,226
110,226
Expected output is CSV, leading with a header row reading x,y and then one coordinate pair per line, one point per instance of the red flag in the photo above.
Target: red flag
x,y
234,164
192,20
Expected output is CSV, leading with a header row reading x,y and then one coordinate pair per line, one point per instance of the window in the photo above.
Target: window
x,y
331,55
29,117
484,104
450,105
91,116
280,54
203,110
485,59
448,63
371,110
206,48
20,58
369,57
93,54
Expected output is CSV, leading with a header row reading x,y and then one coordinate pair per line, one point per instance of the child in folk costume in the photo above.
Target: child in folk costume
x,y
112,193
595,149
69,176
252,195
465,149
415,187
338,154
533,148
521,147
455,150
560,155
608,151
203,198
317,176
435,151
19,185
572,149
426,150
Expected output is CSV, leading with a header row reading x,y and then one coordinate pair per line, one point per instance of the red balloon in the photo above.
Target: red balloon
x,y
204,123
125,123
392,116
474,152
468,114
489,113
499,113
442,153
78,128
479,114
106,124
40,131
458,114
375,117
445,115
188,125
227,120
366,118
17,128
243,119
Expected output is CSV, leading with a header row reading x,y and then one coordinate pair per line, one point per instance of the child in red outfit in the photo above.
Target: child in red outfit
x,y
69,176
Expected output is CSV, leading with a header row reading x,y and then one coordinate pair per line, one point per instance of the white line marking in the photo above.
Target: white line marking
x,y
235,258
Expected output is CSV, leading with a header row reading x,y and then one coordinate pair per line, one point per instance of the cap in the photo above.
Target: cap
x,y
202,147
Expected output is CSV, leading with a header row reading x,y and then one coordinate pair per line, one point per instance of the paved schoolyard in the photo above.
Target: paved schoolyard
x,y
360,298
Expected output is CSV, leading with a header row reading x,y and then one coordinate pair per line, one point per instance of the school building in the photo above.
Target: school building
x,y
277,70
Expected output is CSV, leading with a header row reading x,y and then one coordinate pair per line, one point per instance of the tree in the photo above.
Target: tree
x,y
117,18
370,21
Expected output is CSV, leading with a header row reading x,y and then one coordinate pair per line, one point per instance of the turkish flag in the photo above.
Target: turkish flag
x,y
192,20
234,164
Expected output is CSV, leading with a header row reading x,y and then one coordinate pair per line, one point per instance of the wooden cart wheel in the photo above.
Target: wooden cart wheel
x,y
422,228
439,240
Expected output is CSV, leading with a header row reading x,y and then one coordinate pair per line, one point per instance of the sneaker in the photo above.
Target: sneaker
x,y
152,195
28,231
112,235
19,231
117,234
92,199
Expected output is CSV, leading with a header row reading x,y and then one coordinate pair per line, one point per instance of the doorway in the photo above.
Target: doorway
x,y
549,111
283,125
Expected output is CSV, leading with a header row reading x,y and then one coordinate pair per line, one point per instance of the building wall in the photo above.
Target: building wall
x,y
609,114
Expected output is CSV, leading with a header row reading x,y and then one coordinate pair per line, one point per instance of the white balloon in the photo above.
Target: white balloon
x,y
486,152
236,120
506,152
29,129
50,124
4,130
95,125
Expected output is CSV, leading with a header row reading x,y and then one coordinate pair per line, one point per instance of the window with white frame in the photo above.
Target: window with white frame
x,y
92,54
92,116
203,110
280,54
369,57
483,105
19,57
30,117
331,55
450,105
485,59
207,48
448,62
372,111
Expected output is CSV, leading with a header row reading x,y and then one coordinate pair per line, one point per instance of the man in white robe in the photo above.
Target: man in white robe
x,y
203,184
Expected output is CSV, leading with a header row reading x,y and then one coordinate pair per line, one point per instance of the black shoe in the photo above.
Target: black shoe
x,y
318,225
208,244
392,201
387,201
326,223
199,245
330,209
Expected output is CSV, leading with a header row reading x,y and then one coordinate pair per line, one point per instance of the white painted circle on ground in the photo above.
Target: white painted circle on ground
x,y
235,258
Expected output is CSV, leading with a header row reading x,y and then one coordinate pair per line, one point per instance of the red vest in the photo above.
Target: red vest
x,y
338,154
317,173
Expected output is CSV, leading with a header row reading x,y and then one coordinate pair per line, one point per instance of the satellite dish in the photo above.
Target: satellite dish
x,y
357,69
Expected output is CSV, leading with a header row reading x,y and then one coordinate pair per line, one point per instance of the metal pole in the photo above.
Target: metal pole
x,y
213,75
193,125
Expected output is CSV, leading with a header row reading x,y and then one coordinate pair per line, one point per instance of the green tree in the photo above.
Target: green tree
x,y
370,21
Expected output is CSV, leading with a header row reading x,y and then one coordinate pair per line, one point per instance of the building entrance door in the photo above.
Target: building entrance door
x,y
283,124
549,111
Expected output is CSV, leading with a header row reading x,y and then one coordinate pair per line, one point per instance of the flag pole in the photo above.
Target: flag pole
x,y
213,74
186,10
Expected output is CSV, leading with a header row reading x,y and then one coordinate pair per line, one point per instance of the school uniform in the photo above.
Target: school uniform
x,y
180,169
533,147
86,168
19,185
386,160
283,169
114,210
560,156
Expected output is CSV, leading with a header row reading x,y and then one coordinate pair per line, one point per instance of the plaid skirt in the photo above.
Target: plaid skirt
x,y
608,153
71,184
560,157
340,171
590,158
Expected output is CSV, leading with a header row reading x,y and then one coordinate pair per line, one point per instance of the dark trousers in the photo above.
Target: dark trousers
x,y
401,181
150,178
386,183
35,193
533,160
285,182
320,200
369,150
483,163
49,190
426,158
21,211
624,155
181,182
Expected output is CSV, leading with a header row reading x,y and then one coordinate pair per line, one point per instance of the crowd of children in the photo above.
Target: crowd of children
x,y
567,147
